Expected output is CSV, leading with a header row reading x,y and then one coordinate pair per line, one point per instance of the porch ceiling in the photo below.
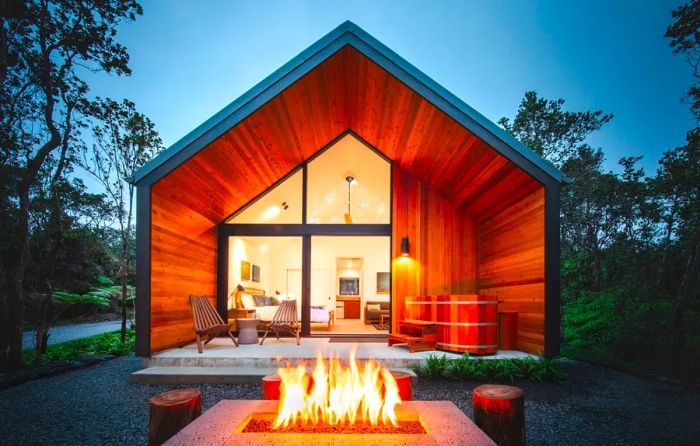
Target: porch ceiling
x,y
347,91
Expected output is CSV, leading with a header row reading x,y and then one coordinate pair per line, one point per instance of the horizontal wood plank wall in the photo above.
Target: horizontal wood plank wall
x,y
442,242
511,265
183,262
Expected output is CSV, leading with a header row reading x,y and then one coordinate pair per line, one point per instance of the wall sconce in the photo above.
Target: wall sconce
x,y
404,247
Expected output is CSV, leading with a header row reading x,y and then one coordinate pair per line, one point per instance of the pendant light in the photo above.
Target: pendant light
x,y
348,218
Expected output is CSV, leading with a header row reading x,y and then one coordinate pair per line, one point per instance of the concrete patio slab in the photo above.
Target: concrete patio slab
x,y
275,353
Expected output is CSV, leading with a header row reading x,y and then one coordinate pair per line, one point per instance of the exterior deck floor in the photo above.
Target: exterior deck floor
x,y
221,352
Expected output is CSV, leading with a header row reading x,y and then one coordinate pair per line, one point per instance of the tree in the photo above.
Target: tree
x,y
678,183
551,132
125,140
685,39
45,47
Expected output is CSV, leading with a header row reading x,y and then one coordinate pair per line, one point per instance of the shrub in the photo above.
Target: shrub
x,y
100,345
499,370
591,323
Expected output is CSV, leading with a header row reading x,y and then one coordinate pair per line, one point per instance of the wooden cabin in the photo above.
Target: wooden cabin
x,y
467,209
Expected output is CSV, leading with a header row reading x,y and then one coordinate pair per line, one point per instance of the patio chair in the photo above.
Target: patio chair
x,y
285,320
207,321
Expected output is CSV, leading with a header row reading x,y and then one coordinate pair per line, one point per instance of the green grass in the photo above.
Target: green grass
x,y
99,345
498,370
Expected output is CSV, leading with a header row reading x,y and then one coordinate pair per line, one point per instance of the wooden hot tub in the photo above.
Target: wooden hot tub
x,y
463,322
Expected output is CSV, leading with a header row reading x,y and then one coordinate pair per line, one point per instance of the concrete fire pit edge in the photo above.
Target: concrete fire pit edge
x,y
220,425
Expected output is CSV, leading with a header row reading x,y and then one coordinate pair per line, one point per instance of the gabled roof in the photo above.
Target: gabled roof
x,y
347,34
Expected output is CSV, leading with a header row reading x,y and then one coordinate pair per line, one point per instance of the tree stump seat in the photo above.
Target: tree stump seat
x,y
500,412
170,412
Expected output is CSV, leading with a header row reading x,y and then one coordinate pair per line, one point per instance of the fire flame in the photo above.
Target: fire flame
x,y
337,394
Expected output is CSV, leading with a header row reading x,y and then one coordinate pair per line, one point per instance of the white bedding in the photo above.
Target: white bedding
x,y
266,313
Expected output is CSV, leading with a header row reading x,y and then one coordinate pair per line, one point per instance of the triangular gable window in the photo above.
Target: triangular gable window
x,y
279,205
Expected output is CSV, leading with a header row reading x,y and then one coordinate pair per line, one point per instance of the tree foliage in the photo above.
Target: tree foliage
x,y
46,49
124,140
685,39
630,242
549,130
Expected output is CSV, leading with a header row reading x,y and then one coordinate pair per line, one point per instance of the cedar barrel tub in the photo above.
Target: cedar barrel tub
x,y
463,322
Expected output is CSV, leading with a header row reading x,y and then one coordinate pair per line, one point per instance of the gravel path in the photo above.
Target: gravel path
x,y
97,405
67,333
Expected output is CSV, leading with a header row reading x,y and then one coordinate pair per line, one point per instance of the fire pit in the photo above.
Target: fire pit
x,y
224,423
334,404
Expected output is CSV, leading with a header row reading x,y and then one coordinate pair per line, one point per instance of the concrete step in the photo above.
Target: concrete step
x,y
209,375
228,362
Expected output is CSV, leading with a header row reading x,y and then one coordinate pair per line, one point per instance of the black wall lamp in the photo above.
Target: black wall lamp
x,y
404,246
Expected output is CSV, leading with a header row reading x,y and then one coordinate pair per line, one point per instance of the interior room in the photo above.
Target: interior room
x,y
349,280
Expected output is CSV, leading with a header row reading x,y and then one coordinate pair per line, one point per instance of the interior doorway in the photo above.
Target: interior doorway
x,y
349,279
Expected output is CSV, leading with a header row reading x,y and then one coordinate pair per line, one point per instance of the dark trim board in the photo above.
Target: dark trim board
x,y
222,274
552,281
306,286
300,230
143,270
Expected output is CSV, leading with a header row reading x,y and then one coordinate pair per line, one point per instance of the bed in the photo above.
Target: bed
x,y
244,299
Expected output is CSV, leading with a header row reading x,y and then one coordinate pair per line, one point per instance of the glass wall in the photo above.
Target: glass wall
x,y
369,191
267,266
347,277
279,205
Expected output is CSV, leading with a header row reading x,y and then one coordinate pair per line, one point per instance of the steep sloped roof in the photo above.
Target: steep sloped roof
x,y
350,35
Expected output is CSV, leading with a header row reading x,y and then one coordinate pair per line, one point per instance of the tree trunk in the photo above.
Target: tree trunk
x,y
124,275
124,291
678,340
4,321
15,301
41,330
15,315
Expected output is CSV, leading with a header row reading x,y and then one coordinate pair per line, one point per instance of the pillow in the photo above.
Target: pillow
x,y
247,301
374,307
273,301
260,300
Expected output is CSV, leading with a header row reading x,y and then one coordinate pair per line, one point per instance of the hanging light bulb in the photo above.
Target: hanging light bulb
x,y
348,218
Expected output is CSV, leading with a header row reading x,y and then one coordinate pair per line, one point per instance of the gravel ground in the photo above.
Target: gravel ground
x,y
97,406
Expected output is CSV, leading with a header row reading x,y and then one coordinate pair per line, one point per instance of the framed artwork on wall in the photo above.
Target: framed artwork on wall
x,y
383,283
349,286
256,273
245,270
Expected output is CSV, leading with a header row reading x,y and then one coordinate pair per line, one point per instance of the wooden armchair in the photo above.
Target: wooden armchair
x,y
285,320
207,321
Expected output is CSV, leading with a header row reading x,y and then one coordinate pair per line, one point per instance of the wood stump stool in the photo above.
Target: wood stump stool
x,y
271,387
404,381
172,411
500,412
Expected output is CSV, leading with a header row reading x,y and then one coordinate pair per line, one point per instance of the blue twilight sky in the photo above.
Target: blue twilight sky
x,y
191,58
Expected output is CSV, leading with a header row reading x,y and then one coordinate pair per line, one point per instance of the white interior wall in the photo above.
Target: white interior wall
x,y
374,252
277,255
255,251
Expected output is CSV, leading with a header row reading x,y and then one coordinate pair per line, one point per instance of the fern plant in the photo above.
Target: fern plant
x,y
499,370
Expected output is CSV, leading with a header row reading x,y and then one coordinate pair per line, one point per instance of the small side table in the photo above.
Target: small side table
x,y
239,313
247,330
